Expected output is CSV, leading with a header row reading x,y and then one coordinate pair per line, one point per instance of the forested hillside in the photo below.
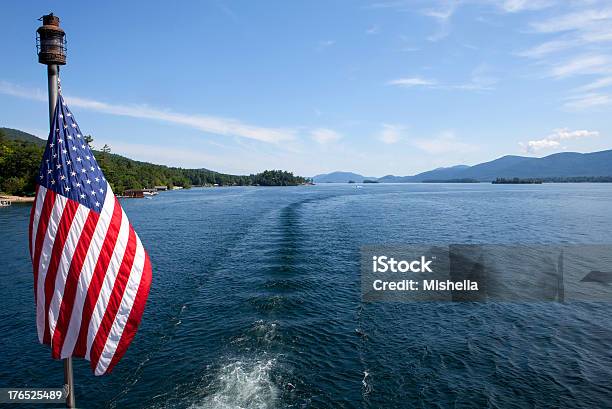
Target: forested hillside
x,y
20,155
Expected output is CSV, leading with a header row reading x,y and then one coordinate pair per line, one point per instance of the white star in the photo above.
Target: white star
x,y
69,137
101,190
88,181
73,173
49,171
65,126
61,116
67,188
58,166
79,135
51,145
83,170
78,185
74,125
68,114
82,196
54,155
62,177
87,157
97,204
97,179
79,159
64,151
41,176
68,162
52,181
91,168
74,148
82,146
93,192
60,140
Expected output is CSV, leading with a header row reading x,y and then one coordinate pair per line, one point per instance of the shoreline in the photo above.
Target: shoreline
x,y
18,199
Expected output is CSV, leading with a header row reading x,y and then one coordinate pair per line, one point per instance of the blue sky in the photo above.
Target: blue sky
x,y
377,87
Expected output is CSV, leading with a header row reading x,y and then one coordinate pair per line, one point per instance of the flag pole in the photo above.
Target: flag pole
x,y
53,79
51,48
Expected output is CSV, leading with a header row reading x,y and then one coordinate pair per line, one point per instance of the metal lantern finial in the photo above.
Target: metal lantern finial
x,y
51,41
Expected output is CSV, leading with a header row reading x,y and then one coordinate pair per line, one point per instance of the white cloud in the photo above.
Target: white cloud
x,y
442,15
445,142
325,136
210,124
9,88
412,82
555,139
604,82
581,65
572,21
480,79
390,134
549,47
580,47
515,6
587,101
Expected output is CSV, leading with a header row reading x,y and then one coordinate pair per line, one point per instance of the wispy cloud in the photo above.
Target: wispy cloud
x,y
408,82
480,80
581,65
604,82
580,20
325,136
515,6
582,102
442,15
580,47
555,139
205,123
390,134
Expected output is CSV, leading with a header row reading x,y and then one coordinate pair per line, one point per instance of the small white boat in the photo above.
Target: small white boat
x,y
5,203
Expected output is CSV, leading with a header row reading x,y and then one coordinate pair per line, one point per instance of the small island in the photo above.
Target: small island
x,y
517,181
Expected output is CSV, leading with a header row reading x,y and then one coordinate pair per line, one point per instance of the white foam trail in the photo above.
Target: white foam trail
x,y
243,385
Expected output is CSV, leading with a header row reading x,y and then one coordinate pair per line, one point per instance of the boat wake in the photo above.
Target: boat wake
x,y
243,384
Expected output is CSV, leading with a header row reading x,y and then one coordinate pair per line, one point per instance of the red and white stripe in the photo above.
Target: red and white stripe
x,y
91,278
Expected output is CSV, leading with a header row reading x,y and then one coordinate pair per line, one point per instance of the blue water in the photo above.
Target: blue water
x,y
255,303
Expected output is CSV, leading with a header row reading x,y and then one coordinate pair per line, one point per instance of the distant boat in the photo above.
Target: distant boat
x,y
5,203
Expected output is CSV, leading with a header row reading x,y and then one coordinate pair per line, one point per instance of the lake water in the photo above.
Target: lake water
x,y
256,300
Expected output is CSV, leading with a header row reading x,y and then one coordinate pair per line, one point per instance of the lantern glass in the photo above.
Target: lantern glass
x,y
51,44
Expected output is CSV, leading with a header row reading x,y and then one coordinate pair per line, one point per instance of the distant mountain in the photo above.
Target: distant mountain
x,y
558,165
17,135
341,177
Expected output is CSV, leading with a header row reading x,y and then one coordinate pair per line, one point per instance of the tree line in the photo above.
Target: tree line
x,y
20,162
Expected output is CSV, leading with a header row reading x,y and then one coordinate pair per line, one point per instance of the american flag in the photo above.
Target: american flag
x,y
91,273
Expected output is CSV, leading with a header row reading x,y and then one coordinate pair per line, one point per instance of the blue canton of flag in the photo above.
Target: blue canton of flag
x,y
69,168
